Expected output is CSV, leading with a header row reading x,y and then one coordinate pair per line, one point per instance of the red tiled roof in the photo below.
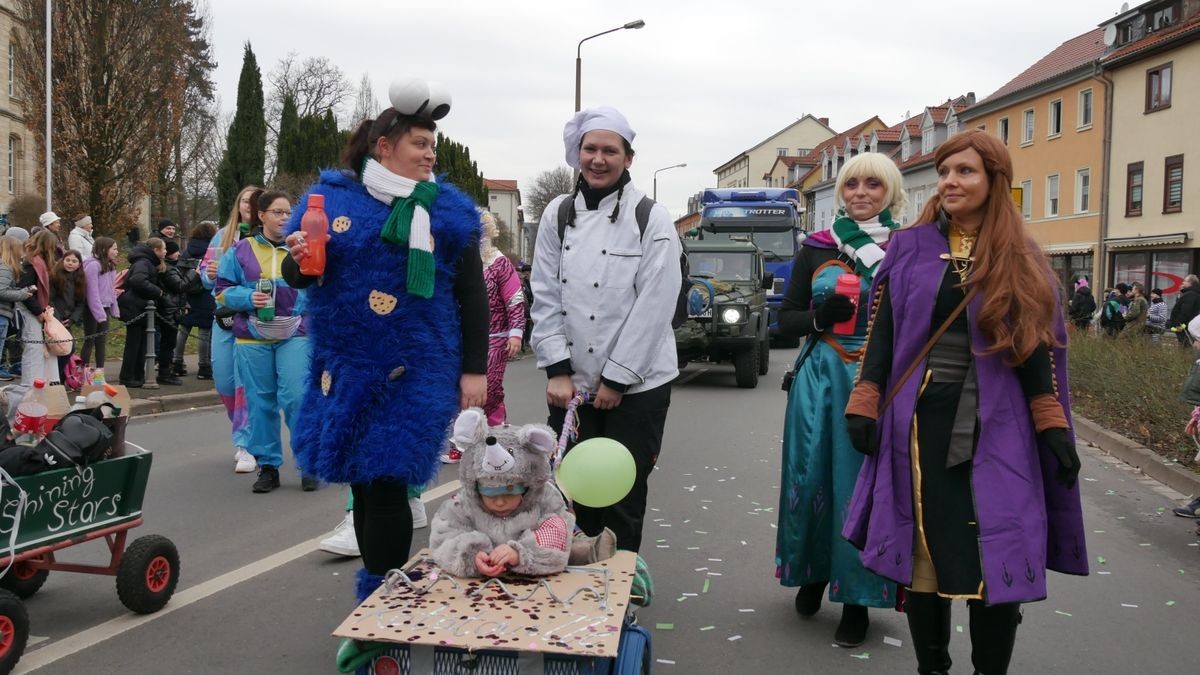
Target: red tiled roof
x,y
1156,38
491,184
889,135
1069,55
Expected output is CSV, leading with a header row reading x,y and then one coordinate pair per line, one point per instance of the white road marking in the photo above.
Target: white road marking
x,y
96,634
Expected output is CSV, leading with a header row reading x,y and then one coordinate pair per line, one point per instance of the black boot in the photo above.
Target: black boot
x,y
204,373
929,623
852,630
808,598
993,632
177,368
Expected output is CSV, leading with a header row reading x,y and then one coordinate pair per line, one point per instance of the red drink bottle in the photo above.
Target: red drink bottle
x,y
849,286
315,226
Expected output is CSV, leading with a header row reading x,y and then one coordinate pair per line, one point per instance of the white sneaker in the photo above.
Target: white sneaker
x,y
420,519
342,541
245,461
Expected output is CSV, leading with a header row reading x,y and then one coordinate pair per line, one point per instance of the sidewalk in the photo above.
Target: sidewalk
x,y
192,394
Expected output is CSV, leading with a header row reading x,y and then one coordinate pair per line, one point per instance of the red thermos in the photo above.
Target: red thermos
x,y
848,285
315,226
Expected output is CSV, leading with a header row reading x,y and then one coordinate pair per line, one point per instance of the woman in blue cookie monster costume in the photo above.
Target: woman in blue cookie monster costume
x,y
398,322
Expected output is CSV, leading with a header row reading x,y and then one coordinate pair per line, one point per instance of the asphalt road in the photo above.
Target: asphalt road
x,y
256,597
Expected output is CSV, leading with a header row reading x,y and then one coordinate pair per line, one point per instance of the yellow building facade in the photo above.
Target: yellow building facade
x,y
1051,118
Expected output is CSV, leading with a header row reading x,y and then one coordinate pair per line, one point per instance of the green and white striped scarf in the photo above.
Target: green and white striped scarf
x,y
861,240
408,224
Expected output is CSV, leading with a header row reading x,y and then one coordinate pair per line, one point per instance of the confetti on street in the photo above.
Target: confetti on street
x,y
664,626
892,641
666,662
1125,604
864,656
1057,611
703,628
732,638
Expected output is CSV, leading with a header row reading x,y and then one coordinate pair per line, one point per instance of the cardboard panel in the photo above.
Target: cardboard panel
x,y
588,623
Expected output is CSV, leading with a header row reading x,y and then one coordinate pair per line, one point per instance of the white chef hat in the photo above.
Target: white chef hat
x,y
601,117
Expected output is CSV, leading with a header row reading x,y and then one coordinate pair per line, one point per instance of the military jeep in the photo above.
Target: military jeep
x,y
727,309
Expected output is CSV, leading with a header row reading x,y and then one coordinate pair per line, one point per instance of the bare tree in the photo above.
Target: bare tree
x,y
366,106
315,83
547,186
121,71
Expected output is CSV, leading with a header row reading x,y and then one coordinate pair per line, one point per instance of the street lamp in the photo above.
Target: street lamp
x,y
578,63
673,166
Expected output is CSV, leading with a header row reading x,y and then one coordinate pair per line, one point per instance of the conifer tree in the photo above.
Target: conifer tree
x,y
246,144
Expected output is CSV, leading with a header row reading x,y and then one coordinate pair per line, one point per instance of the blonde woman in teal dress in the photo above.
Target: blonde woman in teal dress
x,y
819,464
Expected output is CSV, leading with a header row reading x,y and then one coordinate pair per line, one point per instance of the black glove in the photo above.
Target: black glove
x,y
862,433
835,309
1059,443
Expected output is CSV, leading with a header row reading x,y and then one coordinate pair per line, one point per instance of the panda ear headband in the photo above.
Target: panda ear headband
x,y
411,97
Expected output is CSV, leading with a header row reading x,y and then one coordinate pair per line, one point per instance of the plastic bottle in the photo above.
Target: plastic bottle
x,y
80,404
107,395
98,378
315,226
848,285
31,415
267,312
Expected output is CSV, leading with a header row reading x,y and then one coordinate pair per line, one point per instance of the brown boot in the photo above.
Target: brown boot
x,y
586,550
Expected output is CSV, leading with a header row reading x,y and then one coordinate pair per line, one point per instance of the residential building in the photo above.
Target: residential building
x,y
504,201
1051,117
816,185
918,138
20,156
1153,62
787,169
749,167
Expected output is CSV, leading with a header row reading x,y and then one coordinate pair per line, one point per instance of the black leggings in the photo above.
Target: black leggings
x,y
383,524
91,327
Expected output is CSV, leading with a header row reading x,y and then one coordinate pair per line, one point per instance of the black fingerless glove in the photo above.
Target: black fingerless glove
x,y
1058,441
862,434
835,309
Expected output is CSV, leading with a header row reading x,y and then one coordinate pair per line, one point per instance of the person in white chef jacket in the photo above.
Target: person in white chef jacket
x,y
604,293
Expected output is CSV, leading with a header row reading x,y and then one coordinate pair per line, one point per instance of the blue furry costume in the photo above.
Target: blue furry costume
x,y
383,383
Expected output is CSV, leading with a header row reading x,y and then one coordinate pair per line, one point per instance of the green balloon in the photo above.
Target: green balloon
x,y
598,472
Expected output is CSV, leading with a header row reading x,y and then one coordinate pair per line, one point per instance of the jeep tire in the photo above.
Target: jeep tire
x,y
745,367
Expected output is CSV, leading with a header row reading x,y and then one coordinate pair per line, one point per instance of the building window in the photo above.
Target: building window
x,y
1162,18
1083,190
12,68
1085,108
1051,196
1158,88
1173,185
905,149
918,202
1027,127
952,128
1133,189
1054,123
12,165
781,152
1002,130
1126,33
1027,199
926,141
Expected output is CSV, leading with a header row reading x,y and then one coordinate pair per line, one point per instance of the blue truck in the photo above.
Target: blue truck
x,y
769,217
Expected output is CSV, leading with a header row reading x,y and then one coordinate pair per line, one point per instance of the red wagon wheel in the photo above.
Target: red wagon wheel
x,y
147,574
14,630
24,579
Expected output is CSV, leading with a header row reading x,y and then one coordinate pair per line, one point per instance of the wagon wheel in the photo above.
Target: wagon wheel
x,y
14,630
24,579
147,574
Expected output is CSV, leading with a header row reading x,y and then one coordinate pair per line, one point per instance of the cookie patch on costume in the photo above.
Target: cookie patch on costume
x,y
340,224
326,382
381,303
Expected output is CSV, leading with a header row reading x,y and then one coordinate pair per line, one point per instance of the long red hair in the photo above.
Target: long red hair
x,y
1020,301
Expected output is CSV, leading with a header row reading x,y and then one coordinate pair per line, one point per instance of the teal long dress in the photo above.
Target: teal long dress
x,y
820,466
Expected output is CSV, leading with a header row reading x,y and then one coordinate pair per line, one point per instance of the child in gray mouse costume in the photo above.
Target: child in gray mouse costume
x,y
507,514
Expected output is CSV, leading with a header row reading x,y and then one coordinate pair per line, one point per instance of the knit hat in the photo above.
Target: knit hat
x,y
84,221
172,246
18,233
1122,287
48,218
602,117
165,222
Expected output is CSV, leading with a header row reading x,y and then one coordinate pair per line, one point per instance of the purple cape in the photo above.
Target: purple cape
x,y
1028,522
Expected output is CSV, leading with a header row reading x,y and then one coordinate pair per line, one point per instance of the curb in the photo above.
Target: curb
x,y
1139,456
172,402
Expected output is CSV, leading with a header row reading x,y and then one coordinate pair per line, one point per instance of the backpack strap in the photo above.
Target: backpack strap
x,y
642,214
564,214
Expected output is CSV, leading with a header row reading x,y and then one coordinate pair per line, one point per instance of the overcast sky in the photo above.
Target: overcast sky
x,y
700,83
